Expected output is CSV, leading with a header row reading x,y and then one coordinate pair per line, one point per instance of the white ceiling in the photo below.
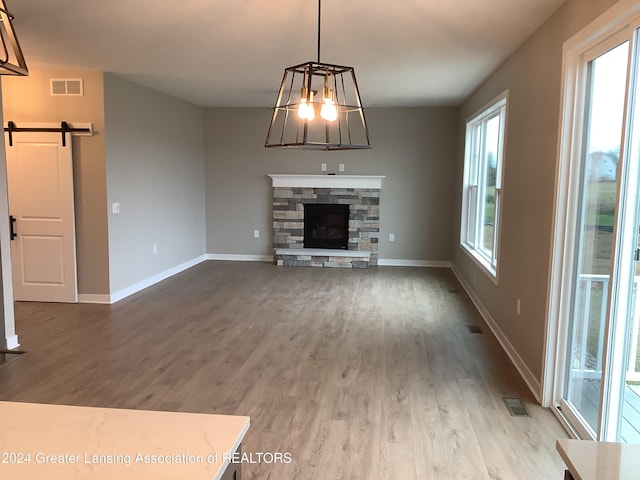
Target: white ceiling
x,y
233,53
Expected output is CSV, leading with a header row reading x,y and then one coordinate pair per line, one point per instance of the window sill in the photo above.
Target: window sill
x,y
481,262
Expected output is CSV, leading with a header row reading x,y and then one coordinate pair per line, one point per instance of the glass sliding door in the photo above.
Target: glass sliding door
x,y
622,393
596,257
604,107
594,310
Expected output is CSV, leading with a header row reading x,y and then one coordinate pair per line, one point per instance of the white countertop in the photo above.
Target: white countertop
x,y
587,460
85,443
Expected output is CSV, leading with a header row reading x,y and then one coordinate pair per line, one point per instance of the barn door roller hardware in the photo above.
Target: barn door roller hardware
x,y
63,129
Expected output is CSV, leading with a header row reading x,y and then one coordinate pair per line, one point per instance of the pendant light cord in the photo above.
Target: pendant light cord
x,y
319,10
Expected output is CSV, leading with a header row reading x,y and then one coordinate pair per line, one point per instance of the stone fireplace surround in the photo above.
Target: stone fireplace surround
x,y
360,192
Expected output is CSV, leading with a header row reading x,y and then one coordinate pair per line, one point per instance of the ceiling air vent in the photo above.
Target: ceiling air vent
x,y
73,87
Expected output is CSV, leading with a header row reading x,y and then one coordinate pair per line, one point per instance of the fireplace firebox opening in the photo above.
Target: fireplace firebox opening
x,y
326,226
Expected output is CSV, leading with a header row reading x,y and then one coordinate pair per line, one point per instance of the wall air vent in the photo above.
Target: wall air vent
x,y
69,87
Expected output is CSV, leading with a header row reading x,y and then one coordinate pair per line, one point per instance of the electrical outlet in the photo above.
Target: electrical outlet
x,y
323,167
341,167
392,237
155,248
256,234
518,306
115,207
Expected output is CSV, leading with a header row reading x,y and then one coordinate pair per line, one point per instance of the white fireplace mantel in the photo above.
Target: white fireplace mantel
x,y
327,181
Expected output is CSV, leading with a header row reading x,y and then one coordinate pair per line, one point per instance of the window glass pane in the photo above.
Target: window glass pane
x,y
489,160
629,416
602,134
473,205
500,147
495,233
475,153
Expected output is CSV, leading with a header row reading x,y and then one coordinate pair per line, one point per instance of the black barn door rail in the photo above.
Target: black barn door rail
x,y
63,129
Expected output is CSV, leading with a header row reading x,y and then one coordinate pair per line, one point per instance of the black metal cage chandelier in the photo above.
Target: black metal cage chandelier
x,y
11,59
318,108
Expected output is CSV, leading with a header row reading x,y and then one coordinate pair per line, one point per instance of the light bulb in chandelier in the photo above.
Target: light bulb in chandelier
x,y
329,110
305,108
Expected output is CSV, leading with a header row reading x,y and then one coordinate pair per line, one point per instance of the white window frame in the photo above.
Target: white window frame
x,y
475,169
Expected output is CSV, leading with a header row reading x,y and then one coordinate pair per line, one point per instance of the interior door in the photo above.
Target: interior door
x,y
43,248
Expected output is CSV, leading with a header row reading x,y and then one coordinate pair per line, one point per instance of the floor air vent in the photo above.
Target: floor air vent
x,y
516,407
474,329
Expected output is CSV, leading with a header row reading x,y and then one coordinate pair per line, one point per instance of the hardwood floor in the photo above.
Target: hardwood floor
x,y
358,374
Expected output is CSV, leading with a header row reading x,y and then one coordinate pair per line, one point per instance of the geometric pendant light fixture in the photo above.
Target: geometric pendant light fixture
x,y
318,108
11,59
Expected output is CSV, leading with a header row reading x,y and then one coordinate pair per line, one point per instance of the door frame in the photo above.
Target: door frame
x,y
617,19
6,278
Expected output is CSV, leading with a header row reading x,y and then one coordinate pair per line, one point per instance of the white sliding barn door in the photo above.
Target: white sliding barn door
x,y
43,250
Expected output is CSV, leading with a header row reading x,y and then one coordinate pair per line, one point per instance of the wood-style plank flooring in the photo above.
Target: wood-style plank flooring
x,y
358,374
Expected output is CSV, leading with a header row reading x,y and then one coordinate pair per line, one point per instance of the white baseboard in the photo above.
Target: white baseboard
x,y
381,262
136,287
529,378
94,298
232,257
12,342
392,262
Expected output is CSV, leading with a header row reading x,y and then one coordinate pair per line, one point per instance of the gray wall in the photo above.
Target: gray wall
x,y
414,147
155,170
27,99
533,75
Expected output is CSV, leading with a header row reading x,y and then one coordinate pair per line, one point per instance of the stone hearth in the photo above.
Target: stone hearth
x,y
361,193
